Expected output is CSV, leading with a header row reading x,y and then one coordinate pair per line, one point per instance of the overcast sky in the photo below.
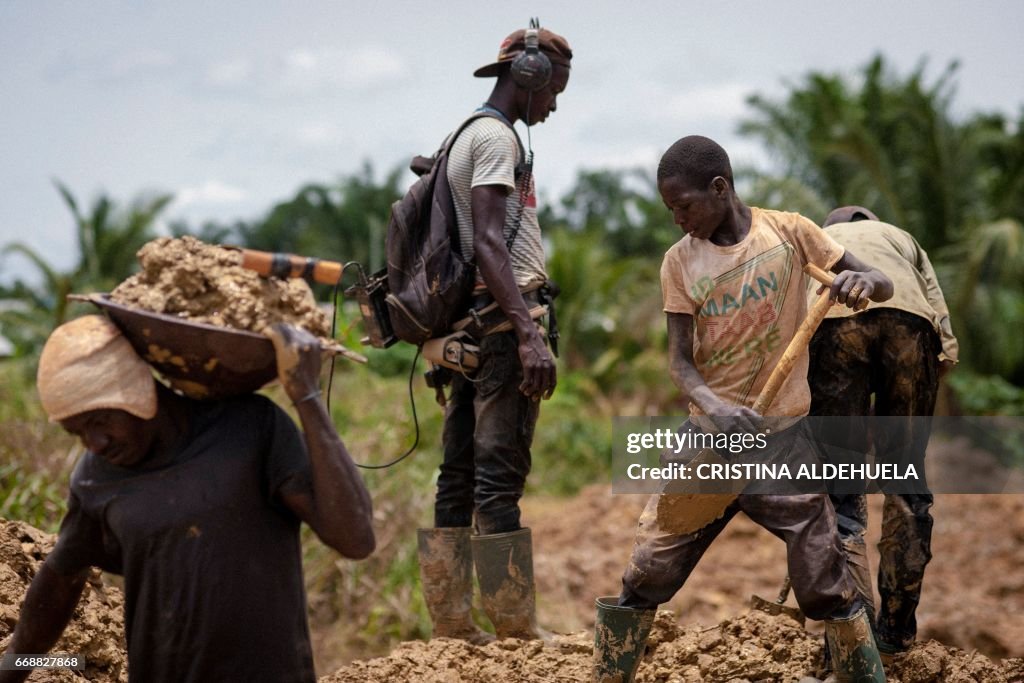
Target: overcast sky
x,y
232,106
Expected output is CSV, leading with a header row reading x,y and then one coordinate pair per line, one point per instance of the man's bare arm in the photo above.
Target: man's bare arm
x,y
495,263
689,380
47,609
339,508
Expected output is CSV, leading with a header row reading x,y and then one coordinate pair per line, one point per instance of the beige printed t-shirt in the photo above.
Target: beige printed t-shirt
x,y
747,301
916,289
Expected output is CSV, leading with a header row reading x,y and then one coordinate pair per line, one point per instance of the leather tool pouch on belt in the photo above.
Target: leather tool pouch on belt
x,y
459,351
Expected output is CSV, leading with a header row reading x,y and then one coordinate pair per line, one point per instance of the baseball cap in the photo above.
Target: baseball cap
x,y
550,43
849,214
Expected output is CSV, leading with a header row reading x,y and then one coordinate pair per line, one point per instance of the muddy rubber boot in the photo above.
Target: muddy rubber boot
x,y
853,650
620,636
504,568
860,569
446,571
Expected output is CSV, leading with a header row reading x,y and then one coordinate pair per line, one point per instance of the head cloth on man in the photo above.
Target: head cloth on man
x,y
86,365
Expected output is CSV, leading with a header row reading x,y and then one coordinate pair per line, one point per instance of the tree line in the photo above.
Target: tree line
x,y
881,139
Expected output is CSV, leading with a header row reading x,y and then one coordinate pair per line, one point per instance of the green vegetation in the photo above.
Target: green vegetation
x,y
883,140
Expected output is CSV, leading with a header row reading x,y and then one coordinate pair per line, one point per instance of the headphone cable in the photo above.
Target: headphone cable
x,y
330,375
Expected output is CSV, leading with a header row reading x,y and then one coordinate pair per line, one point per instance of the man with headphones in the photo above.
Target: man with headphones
x,y
490,417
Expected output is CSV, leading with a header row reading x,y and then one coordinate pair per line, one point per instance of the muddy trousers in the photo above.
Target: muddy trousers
x,y
904,551
488,431
890,355
662,561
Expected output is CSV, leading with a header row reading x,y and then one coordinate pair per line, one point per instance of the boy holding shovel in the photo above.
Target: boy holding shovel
x,y
734,298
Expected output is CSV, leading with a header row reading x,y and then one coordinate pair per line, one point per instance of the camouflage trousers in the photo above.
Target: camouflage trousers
x,y
893,356
904,550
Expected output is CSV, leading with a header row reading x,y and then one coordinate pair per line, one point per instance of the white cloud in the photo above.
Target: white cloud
x,y
318,134
230,72
135,64
308,68
210,192
703,102
640,156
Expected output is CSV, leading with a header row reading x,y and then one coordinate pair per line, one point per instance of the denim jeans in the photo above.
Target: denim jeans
x,y
488,430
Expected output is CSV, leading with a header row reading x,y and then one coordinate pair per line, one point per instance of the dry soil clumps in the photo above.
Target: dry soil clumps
x,y
204,283
754,647
97,629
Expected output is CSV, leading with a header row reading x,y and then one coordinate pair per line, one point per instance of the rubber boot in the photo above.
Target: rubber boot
x,y
860,569
853,650
620,636
446,571
504,568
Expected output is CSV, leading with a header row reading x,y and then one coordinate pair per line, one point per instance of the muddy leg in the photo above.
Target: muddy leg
x,y
904,552
661,562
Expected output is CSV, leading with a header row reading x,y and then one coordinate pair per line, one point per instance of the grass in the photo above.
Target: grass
x,y
36,457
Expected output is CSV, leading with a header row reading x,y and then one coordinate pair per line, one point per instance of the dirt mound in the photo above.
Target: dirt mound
x,y
97,628
205,283
752,647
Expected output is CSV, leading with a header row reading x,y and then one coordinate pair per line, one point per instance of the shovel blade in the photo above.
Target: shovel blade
x,y
775,608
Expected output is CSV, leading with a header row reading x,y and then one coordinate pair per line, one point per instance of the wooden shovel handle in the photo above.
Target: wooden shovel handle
x,y
826,278
799,342
289,265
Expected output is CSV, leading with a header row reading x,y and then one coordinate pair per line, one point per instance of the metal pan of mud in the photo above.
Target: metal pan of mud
x,y
200,360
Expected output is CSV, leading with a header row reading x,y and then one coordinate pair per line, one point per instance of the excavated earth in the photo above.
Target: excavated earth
x,y
96,630
752,647
204,283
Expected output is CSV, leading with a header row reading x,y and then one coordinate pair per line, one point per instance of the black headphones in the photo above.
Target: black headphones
x,y
531,69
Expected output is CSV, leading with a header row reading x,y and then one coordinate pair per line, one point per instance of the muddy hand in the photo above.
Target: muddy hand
x,y
736,419
539,376
298,359
852,288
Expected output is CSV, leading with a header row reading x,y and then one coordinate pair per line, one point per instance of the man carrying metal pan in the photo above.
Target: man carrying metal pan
x,y
198,505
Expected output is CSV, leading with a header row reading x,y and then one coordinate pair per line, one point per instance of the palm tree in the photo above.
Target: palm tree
x,y
107,240
986,275
888,142
892,143
343,222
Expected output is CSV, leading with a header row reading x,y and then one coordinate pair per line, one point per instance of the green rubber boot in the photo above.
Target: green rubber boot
x,y
504,568
446,571
852,647
620,636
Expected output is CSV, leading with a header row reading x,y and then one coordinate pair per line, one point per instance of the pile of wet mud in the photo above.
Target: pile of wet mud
x,y
752,647
188,278
96,630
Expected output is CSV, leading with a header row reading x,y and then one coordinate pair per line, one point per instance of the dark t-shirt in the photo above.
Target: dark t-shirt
x,y
210,555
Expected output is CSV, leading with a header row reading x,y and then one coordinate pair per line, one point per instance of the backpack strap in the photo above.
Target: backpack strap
x,y
523,170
